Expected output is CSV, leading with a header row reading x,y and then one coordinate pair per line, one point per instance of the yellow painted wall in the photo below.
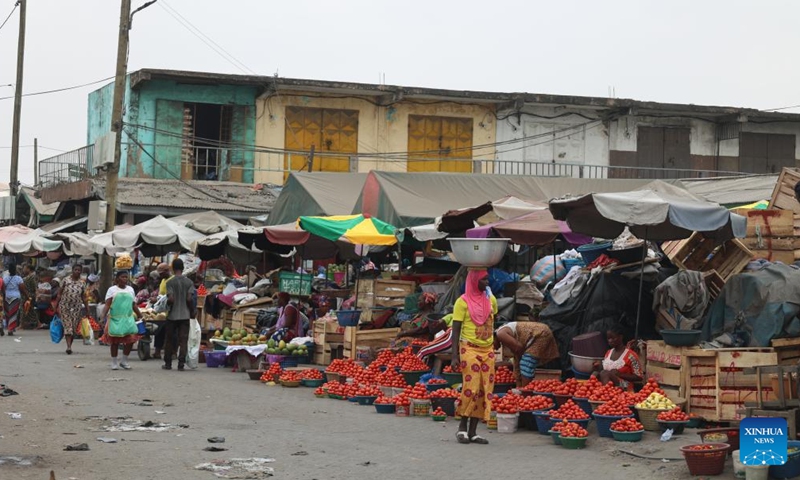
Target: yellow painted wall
x,y
380,129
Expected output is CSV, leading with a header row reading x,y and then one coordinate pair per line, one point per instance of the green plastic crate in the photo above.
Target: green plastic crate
x,y
295,283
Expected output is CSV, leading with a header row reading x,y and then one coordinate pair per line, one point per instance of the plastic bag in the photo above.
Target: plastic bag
x,y
193,353
56,329
86,331
161,304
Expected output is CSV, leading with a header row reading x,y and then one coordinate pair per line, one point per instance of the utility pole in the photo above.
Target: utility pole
x,y
112,174
35,162
14,176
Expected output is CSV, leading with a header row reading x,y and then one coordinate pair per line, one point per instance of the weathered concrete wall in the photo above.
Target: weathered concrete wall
x,y
380,130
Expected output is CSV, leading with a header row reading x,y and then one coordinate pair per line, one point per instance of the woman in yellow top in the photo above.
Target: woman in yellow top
x,y
473,325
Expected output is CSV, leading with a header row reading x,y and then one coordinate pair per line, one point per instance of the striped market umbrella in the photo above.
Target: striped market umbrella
x,y
354,229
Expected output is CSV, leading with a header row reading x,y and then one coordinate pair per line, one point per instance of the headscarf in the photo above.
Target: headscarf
x,y
478,302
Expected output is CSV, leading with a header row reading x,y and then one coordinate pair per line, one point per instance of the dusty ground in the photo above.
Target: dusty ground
x,y
308,438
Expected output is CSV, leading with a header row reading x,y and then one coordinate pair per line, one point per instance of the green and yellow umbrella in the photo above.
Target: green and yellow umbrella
x,y
355,229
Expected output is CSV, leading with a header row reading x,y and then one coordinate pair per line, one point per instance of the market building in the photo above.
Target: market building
x,y
238,130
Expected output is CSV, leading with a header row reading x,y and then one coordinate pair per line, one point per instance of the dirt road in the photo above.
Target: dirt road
x,y
70,399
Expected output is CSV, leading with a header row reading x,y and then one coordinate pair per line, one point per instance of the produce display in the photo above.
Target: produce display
x,y
587,388
674,415
366,377
702,447
536,402
439,414
402,400
503,374
383,400
419,392
444,393
201,291
345,367
320,392
569,411
290,376
383,359
559,426
573,430
542,386
273,373
656,401
650,387
368,391
614,408
450,369
418,342
567,388
437,381
507,404
627,425
605,393
413,364
95,326
150,315
391,378
629,398
310,374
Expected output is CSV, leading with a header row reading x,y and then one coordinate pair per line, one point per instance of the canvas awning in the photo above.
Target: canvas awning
x,y
156,236
21,239
535,229
208,223
316,194
283,239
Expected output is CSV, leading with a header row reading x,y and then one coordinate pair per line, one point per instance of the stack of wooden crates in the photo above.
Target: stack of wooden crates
x,y
713,380
328,342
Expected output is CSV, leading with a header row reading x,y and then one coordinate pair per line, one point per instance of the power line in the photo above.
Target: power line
x,y
178,178
781,108
40,146
16,4
58,90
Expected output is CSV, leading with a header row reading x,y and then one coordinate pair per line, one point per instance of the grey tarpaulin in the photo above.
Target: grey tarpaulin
x,y
686,291
316,194
767,302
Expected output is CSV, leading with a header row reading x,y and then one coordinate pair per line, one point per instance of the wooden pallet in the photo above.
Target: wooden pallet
x,y
770,234
702,254
783,196
788,350
374,339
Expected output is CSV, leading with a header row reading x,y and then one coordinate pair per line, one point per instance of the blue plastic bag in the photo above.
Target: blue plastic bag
x,y
56,329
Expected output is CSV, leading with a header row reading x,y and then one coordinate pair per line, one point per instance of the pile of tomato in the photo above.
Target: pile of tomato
x,y
587,388
391,378
290,376
382,400
674,415
702,446
536,402
648,388
311,374
413,364
272,373
450,369
627,425
418,342
507,404
503,374
201,291
438,412
95,326
559,426
573,430
567,388
629,398
605,393
346,367
366,377
437,381
614,408
368,391
569,411
543,386
444,393
419,392
335,388
319,391
402,400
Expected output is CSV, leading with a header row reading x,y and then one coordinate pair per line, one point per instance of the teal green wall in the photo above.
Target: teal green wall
x,y
141,110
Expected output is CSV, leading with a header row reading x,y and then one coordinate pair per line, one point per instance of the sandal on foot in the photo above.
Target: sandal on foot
x,y
69,351
479,440
462,437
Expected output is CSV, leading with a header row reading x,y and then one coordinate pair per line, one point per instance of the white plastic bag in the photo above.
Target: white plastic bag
x,y
193,353
161,304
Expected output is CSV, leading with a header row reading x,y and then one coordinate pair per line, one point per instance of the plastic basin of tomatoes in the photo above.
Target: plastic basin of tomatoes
x,y
627,436
706,458
543,421
573,443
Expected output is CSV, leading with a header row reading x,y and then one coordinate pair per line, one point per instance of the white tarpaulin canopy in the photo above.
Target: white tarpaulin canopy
x,y
21,239
156,236
658,211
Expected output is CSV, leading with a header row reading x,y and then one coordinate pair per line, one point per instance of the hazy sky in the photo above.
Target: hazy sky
x,y
713,52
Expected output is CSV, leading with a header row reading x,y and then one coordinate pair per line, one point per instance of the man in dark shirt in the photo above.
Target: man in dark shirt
x,y
182,308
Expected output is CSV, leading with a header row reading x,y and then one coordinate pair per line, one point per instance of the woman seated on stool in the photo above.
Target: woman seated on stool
x,y
620,365
532,344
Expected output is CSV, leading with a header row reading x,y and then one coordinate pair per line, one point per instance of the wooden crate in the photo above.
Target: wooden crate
x,y
770,234
660,352
383,293
244,318
702,254
665,375
788,350
714,285
376,339
783,195
715,383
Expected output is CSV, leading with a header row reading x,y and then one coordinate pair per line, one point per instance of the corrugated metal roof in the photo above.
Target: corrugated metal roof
x,y
46,209
62,225
192,195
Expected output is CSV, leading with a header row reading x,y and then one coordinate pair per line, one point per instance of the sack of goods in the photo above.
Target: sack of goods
x,y
123,262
